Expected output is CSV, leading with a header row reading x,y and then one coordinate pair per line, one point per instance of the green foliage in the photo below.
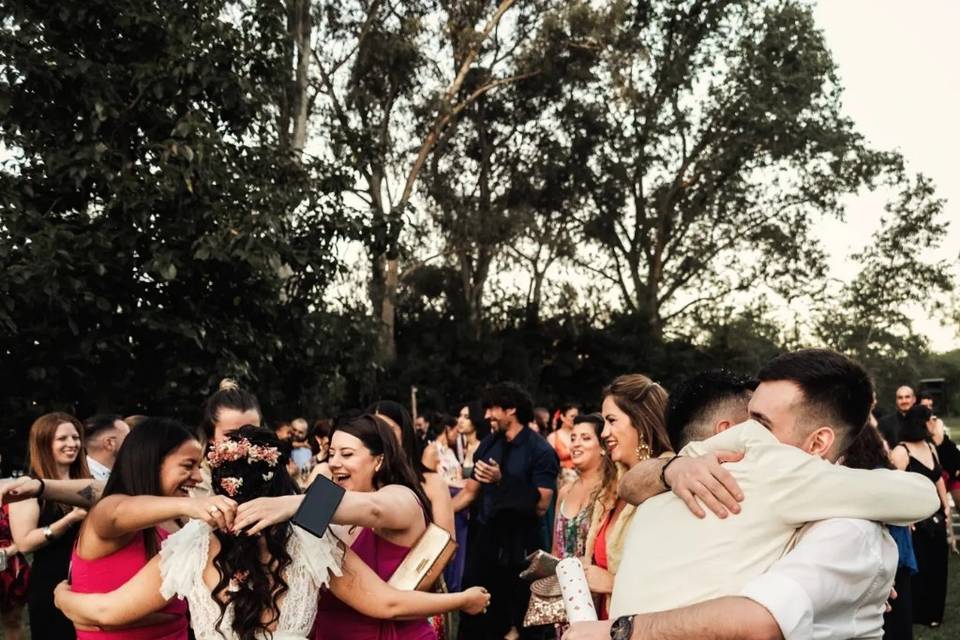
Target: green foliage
x,y
155,234
870,318
160,228
720,143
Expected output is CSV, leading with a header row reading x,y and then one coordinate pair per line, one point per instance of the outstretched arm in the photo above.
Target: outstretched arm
x,y
363,590
82,493
730,618
392,507
136,599
119,515
24,525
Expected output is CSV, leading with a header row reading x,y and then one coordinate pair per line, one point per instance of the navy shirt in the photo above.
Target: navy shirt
x,y
531,460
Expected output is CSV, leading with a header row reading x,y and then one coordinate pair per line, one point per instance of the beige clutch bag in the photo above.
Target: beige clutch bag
x,y
425,561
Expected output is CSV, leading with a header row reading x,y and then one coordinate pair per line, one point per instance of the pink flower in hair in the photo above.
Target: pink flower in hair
x,y
270,455
231,485
228,451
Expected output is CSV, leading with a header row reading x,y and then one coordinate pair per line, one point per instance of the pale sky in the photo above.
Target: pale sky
x,y
899,64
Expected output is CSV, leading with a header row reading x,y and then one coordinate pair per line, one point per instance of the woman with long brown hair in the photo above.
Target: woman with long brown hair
x,y
634,414
48,529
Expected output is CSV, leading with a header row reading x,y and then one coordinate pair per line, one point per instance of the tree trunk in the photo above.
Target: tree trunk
x,y
300,26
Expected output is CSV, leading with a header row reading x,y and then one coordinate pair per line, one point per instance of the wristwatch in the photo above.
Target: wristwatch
x,y
48,533
622,628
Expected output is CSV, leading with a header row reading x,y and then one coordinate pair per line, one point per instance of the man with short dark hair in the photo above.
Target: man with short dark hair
x,y
891,425
720,579
514,477
705,404
103,435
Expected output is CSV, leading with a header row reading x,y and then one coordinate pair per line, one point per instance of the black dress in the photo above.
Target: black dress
x,y
50,566
929,584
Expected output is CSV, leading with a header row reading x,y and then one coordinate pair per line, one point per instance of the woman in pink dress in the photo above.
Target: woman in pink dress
x,y
365,457
143,502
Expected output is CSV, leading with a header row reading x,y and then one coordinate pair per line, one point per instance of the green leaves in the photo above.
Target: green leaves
x,y
153,235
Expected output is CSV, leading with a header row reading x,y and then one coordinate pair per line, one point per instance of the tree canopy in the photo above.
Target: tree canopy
x,y
334,200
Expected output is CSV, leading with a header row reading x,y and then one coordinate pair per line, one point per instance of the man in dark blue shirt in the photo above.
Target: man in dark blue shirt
x,y
514,477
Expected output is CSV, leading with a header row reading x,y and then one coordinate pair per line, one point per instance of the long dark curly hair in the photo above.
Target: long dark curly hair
x,y
249,584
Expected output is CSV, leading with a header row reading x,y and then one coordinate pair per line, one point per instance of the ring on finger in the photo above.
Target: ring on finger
x,y
214,509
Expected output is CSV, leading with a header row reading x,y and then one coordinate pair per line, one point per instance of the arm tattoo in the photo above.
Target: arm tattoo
x,y
91,492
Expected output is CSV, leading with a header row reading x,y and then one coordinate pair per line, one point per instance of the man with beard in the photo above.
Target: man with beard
x,y
301,454
514,477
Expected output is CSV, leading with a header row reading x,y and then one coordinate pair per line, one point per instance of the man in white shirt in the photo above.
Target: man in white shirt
x,y
833,584
103,435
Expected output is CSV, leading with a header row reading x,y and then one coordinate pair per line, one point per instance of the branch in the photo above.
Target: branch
x,y
665,319
448,95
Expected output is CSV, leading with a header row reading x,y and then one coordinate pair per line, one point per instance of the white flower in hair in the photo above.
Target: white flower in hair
x,y
268,476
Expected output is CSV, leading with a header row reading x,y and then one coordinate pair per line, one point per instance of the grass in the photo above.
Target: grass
x,y
950,629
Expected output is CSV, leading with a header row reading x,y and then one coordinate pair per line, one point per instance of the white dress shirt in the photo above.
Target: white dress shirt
x,y
673,559
833,585
97,470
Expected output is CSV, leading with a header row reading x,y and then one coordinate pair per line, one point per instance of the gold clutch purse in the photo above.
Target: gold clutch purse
x,y
425,562
546,603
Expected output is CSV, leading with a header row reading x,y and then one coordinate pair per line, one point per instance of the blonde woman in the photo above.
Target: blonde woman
x,y
634,414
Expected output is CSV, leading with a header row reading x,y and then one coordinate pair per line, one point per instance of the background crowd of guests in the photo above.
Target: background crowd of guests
x,y
503,477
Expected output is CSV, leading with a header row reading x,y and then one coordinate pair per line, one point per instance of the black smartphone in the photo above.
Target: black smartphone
x,y
318,506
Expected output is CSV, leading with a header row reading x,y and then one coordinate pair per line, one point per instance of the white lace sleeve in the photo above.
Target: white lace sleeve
x,y
182,559
322,556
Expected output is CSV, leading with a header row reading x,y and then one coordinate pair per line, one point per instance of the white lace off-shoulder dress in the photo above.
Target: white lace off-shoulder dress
x,y
184,557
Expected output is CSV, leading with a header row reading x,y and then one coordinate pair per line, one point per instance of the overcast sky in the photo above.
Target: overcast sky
x,y
899,64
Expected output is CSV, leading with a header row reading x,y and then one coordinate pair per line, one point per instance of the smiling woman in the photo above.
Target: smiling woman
x,y
46,528
143,502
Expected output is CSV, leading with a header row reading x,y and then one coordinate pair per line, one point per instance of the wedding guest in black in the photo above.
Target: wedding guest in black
x,y
891,425
915,453
514,478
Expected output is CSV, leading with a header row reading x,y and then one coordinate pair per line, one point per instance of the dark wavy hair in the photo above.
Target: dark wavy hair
x,y
915,424
509,395
136,471
558,416
866,451
259,586
376,435
412,445
478,417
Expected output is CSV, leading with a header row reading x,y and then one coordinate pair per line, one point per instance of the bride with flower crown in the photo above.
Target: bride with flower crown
x,y
250,587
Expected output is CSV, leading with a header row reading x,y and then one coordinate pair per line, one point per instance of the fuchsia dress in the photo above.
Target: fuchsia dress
x,y
336,621
110,572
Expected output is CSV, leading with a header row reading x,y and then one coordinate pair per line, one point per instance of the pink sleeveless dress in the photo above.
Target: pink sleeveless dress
x,y
336,621
112,571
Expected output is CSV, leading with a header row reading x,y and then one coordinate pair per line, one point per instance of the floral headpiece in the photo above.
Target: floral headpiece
x,y
234,450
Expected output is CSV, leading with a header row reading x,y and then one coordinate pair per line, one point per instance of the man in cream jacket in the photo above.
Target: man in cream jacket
x,y
687,574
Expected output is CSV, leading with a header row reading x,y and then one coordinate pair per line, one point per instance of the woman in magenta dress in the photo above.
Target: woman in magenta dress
x,y
143,502
365,457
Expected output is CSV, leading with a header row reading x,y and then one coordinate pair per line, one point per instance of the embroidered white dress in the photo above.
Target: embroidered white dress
x,y
183,559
